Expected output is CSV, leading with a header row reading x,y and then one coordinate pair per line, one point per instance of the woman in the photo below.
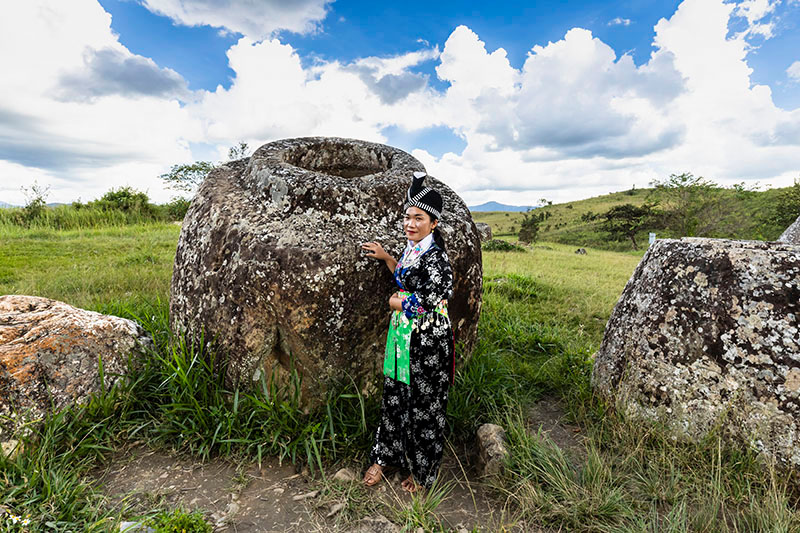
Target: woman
x,y
419,361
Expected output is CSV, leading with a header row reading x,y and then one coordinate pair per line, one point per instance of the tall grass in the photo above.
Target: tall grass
x,y
69,217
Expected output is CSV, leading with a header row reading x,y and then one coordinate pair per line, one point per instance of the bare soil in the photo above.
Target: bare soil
x,y
274,497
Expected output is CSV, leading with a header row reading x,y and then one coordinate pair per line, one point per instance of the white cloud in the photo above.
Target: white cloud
x,y
793,71
256,19
619,21
754,11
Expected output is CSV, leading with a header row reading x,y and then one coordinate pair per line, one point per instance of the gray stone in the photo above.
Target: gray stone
x,y
705,337
375,524
792,233
134,527
49,354
492,450
270,265
484,230
344,474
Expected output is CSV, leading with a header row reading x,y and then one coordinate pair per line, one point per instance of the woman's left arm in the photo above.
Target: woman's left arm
x,y
436,286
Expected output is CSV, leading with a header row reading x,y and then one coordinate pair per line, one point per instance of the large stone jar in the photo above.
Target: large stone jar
x,y
706,338
269,262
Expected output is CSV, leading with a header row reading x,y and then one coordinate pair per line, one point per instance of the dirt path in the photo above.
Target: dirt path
x,y
243,497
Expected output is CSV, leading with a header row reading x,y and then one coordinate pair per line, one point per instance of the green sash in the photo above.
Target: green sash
x,y
398,343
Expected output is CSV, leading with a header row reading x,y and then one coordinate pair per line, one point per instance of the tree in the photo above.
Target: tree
x,y
688,205
238,151
787,207
529,228
187,177
626,220
36,201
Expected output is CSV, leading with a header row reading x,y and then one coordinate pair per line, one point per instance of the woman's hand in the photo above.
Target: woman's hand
x,y
395,302
376,251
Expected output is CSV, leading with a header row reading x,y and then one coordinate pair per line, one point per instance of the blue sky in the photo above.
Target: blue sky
x,y
508,101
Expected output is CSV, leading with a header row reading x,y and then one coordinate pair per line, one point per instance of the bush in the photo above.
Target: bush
x,y
497,245
180,522
125,199
177,207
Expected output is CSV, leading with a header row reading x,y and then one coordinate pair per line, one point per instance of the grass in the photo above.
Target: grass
x,y
543,317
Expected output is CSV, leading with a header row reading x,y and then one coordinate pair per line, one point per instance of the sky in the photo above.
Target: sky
x,y
505,101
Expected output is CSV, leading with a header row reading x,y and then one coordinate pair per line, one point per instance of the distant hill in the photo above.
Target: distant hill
x,y
579,223
496,206
3,204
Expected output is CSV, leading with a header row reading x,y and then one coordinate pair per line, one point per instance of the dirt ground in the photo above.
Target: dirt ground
x,y
243,497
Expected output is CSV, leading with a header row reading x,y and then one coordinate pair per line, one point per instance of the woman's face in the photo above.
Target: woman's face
x,y
417,224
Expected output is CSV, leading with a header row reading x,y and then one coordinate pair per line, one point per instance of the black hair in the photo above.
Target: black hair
x,y
438,238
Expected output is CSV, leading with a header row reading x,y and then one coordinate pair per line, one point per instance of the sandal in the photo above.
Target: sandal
x,y
409,485
373,475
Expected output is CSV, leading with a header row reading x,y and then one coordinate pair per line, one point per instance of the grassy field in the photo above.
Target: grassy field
x,y
543,317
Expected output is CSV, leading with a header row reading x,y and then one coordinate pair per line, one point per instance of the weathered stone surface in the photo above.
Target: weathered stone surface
x,y
706,335
374,524
491,449
269,261
484,230
49,353
792,233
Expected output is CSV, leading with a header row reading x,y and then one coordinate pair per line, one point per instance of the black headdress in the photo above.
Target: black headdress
x,y
423,197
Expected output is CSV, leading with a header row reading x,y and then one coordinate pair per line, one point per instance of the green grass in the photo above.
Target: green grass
x,y
90,268
543,316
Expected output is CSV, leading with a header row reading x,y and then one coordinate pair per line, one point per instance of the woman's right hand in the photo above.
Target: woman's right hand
x,y
375,250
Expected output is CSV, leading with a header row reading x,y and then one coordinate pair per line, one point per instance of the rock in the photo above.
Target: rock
x,y
335,509
792,233
269,261
135,527
581,251
10,448
49,355
375,524
706,335
492,450
345,474
484,230
306,496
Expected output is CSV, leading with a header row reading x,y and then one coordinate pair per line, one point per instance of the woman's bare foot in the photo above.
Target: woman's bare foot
x,y
409,485
373,475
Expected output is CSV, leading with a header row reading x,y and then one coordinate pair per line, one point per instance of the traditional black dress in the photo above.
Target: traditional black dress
x,y
411,430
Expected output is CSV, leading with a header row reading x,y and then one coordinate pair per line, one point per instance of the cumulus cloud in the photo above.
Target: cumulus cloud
x,y
793,71
257,19
389,78
110,71
619,21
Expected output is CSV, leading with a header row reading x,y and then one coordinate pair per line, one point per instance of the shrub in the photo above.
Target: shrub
x,y
177,207
179,521
497,245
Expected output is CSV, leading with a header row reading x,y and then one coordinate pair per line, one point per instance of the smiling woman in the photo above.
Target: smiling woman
x,y
419,363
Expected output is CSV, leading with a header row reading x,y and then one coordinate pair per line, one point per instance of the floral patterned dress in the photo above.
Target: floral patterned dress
x,y
411,431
